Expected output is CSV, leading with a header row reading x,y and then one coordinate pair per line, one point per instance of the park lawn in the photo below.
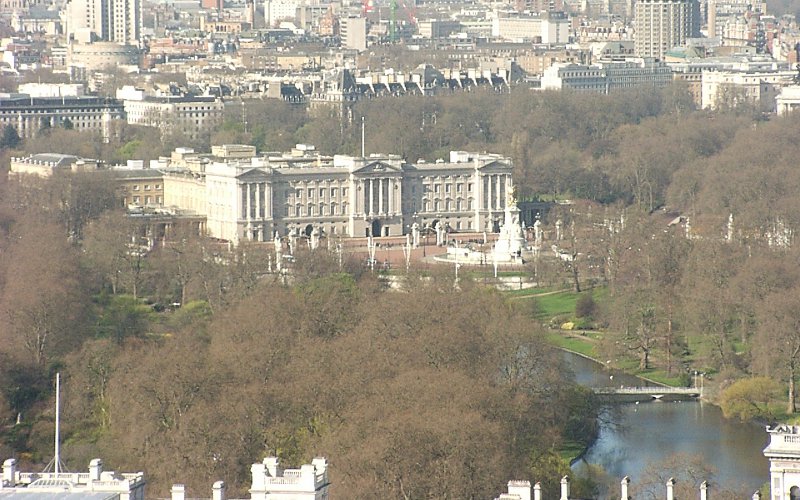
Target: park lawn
x,y
661,377
532,292
557,304
571,342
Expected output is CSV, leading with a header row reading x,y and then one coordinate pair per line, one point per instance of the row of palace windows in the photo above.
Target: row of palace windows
x,y
311,192
448,188
313,211
147,187
147,200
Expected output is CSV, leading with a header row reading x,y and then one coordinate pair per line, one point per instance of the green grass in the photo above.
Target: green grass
x,y
531,292
557,304
661,377
571,343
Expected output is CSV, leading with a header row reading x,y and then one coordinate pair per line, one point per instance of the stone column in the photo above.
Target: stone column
x,y
499,201
380,196
537,491
396,197
359,201
371,197
267,205
247,202
704,490
490,194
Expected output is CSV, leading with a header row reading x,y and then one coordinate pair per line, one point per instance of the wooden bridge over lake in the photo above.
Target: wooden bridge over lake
x,y
655,392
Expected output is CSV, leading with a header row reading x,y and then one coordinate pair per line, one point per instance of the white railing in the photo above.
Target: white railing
x,y
689,391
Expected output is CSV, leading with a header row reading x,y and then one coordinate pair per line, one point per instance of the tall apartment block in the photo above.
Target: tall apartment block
x,y
663,24
117,21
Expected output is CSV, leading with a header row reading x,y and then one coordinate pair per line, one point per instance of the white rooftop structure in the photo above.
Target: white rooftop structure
x,y
272,482
94,485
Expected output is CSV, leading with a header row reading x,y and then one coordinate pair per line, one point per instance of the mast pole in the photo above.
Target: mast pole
x,y
57,459
363,143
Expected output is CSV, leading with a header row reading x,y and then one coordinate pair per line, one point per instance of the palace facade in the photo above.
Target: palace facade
x,y
250,197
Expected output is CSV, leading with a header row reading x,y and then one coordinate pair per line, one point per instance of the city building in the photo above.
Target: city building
x,y
783,452
139,186
635,72
576,77
788,100
607,75
732,88
690,70
48,164
546,28
118,21
38,20
190,115
353,32
84,58
246,197
664,24
28,115
438,28
276,11
96,485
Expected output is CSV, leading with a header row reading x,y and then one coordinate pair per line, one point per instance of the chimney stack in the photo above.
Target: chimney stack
x,y
520,488
704,490
9,473
218,491
565,488
95,469
670,486
178,492
623,488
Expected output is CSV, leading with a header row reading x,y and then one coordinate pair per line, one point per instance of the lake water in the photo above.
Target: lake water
x,y
631,435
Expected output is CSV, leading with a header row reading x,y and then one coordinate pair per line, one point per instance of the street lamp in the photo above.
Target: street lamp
x,y
407,252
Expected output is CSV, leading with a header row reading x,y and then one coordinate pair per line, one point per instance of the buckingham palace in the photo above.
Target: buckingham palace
x,y
247,196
